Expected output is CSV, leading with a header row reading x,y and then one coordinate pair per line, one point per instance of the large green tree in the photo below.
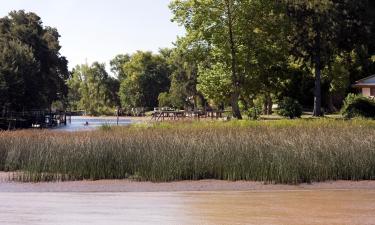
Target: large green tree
x,y
147,75
117,65
321,30
214,23
264,56
91,89
185,60
32,70
246,38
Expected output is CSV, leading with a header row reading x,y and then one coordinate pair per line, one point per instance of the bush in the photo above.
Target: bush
x,y
254,113
164,100
358,106
105,127
290,107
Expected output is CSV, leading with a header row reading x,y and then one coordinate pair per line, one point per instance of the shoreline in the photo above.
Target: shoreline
x,y
178,186
134,118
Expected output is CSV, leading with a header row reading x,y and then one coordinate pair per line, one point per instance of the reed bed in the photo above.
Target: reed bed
x,y
274,152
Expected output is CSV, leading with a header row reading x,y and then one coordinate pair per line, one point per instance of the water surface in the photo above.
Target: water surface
x,y
78,123
263,207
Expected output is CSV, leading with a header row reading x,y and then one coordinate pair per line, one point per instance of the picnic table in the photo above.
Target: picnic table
x,y
171,114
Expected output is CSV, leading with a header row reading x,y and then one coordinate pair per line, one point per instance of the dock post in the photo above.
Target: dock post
x,y
118,116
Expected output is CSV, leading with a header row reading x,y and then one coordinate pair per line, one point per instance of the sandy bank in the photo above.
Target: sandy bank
x,y
180,186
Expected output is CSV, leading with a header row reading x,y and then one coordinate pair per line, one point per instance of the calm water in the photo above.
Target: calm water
x,y
78,123
267,207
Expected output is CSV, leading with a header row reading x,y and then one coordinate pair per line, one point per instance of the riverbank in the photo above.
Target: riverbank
x,y
133,118
180,186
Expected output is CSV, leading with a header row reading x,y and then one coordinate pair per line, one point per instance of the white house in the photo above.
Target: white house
x,y
367,85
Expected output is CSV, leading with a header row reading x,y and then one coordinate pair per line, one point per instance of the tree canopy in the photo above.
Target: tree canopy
x,y
91,89
235,53
32,70
147,75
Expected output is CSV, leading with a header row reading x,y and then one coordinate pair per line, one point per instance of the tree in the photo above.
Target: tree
x,y
322,28
30,59
337,75
147,77
263,56
215,83
93,90
17,76
214,23
246,37
184,61
117,64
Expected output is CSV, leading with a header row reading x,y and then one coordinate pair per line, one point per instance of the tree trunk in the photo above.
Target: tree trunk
x,y
270,104
318,90
265,106
236,84
331,106
235,107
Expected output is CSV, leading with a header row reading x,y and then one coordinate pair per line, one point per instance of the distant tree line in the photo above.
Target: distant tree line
x,y
247,54
236,53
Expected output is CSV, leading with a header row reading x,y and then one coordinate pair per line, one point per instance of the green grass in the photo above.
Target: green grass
x,y
282,151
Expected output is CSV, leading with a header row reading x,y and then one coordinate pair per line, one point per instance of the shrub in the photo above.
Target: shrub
x,y
290,107
254,113
358,106
164,100
105,127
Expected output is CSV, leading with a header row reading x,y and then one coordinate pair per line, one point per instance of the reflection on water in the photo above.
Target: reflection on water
x,y
287,207
79,123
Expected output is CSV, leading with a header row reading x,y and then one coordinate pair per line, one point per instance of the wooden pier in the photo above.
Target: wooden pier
x,y
171,114
32,119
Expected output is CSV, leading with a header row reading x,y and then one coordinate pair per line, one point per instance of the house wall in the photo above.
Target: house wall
x,y
366,92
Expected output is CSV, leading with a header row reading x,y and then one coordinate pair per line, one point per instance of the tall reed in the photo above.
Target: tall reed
x,y
276,152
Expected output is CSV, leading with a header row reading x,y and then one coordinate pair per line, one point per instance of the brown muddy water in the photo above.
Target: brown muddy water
x,y
231,207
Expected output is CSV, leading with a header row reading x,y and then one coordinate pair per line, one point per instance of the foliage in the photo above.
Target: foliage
x,y
215,83
358,106
32,70
93,90
323,28
254,113
184,62
214,23
233,52
164,100
147,75
291,108
117,65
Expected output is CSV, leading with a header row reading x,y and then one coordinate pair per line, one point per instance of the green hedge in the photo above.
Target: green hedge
x,y
358,106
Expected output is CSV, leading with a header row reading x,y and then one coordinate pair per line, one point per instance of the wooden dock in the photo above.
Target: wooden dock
x,y
32,119
171,114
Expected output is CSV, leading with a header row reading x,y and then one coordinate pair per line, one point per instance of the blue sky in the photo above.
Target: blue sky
x,y
97,30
